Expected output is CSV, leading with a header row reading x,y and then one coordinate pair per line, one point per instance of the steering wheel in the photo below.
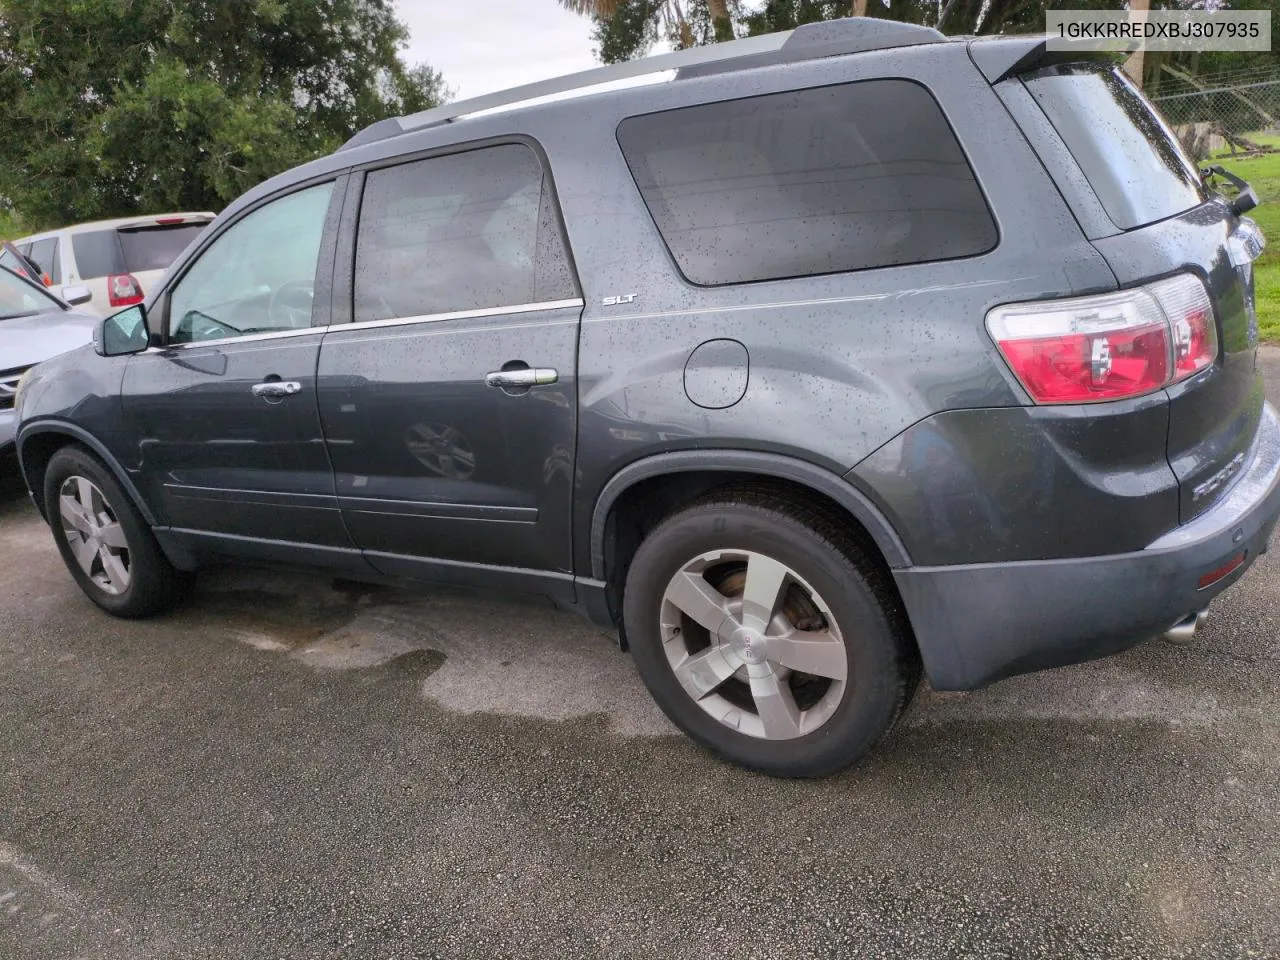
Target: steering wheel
x,y
201,326
290,306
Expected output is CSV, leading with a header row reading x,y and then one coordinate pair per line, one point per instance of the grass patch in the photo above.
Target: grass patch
x,y
1264,174
11,226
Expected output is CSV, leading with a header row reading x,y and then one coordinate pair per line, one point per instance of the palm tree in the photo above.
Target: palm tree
x,y
672,16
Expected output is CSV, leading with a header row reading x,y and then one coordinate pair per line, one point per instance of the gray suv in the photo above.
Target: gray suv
x,y
829,359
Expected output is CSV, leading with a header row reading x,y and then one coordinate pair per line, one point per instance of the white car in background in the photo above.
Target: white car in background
x,y
118,260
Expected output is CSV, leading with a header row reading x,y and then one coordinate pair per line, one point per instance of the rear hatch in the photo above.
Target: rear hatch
x,y
1167,222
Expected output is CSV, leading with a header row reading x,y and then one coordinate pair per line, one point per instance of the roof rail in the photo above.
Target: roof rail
x,y
811,41
830,38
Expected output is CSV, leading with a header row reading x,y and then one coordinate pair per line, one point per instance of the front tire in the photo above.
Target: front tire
x,y
766,634
104,540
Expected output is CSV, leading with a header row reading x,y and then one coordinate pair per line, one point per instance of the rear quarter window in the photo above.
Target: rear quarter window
x,y
97,253
808,182
1125,149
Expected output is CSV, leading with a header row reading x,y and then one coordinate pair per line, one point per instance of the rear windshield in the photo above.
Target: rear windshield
x,y
156,247
1132,159
100,253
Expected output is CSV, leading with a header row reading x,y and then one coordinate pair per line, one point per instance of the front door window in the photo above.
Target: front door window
x,y
258,276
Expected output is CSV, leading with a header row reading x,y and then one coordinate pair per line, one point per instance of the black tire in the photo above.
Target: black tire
x,y
154,585
883,663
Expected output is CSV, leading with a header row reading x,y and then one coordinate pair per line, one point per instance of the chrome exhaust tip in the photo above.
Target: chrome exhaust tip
x,y
1184,631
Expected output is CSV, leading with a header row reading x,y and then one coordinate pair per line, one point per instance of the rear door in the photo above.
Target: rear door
x,y
1165,223
460,278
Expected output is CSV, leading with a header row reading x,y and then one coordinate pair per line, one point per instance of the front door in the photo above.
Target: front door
x,y
449,403
229,441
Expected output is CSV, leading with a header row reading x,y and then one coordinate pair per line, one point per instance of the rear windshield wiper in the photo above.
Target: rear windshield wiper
x,y
1245,200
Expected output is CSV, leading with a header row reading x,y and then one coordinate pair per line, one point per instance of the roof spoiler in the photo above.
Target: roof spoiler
x,y
1000,58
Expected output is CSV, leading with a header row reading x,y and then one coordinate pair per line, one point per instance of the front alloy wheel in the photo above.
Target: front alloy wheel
x,y
97,540
104,539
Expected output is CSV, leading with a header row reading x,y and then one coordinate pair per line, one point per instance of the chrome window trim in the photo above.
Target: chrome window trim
x,y
393,322
246,338
460,315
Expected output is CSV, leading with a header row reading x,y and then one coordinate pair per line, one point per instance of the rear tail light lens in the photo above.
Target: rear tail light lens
x,y
1110,346
1195,335
124,290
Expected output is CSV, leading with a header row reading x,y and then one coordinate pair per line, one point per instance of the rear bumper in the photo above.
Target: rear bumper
x,y
978,623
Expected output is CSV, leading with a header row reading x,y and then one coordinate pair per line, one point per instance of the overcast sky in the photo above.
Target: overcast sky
x,y
487,45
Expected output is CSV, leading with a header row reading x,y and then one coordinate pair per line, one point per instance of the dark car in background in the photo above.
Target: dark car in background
x,y
839,356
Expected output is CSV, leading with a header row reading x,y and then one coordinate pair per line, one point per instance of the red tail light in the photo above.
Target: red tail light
x,y
123,290
1110,346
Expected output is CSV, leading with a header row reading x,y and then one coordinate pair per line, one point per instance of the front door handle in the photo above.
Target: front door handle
x,y
525,377
274,389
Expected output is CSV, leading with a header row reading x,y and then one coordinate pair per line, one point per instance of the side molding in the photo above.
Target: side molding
x,y
746,461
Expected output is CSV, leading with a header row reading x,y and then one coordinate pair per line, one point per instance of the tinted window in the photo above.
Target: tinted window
x,y
460,232
154,248
45,253
97,253
19,298
1128,153
258,276
807,182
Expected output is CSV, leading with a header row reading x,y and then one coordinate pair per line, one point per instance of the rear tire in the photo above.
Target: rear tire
x,y
104,540
725,602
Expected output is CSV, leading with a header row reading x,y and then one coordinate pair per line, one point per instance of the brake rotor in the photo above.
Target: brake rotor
x,y
797,606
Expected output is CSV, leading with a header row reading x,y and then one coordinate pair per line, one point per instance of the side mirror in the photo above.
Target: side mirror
x,y
76,294
122,333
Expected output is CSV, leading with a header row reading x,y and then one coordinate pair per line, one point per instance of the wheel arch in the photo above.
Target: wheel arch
x,y
39,441
757,466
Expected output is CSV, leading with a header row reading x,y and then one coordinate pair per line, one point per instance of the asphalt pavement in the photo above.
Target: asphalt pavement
x,y
291,767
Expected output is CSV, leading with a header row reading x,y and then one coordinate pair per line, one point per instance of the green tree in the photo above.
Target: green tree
x,y
114,107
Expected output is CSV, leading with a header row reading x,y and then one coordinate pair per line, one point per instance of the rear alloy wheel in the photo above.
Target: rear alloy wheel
x,y
753,644
765,633
104,541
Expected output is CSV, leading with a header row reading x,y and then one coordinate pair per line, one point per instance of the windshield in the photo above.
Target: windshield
x,y
1135,164
20,299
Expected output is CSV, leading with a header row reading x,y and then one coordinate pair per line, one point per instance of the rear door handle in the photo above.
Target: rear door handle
x,y
526,377
273,389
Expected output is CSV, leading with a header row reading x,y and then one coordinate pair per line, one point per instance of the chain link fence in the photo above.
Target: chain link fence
x,y
1233,112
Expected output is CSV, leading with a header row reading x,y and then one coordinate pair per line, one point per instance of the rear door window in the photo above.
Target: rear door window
x,y
45,253
1125,149
807,182
154,248
467,231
